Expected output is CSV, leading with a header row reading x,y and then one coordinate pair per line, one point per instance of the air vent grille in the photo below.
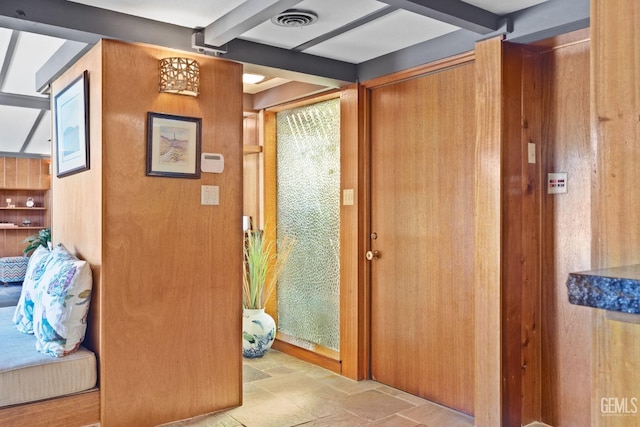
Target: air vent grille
x,y
295,18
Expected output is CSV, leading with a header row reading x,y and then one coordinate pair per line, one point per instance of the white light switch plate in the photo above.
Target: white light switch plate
x,y
210,195
347,197
531,152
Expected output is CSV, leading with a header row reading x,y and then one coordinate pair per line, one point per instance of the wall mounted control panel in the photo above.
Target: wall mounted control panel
x,y
556,183
212,162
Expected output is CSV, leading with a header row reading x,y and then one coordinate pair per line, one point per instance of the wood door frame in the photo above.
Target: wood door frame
x,y
420,150
488,392
368,86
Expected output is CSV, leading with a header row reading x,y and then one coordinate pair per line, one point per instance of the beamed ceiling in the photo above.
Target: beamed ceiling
x,y
350,41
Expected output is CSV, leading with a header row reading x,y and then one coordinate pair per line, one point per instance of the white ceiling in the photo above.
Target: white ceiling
x,y
24,130
397,30
389,33
350,32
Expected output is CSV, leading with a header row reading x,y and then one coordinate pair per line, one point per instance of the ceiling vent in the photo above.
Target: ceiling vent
x,y
295,18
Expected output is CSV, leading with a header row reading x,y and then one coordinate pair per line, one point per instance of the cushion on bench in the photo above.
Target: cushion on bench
x,y
27,375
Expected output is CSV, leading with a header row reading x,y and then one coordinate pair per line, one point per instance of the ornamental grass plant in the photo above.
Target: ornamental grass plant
x,y
263,264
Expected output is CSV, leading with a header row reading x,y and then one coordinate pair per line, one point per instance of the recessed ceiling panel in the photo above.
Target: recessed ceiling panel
x,y
16,123
332,14
41,140
190,14
32,51
267,84
503,7
392,32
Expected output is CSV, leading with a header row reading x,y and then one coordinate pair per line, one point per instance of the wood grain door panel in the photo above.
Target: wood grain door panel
x,y
422,327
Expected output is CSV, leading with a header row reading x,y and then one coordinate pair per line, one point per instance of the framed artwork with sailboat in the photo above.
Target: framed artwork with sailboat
x,y
173,146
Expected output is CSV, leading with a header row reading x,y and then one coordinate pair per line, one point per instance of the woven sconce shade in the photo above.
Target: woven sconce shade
x,y
179,75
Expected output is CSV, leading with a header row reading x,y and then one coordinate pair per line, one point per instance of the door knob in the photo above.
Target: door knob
x,y
371,255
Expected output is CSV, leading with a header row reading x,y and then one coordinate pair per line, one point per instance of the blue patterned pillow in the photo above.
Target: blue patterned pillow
x,y
60,319
31,289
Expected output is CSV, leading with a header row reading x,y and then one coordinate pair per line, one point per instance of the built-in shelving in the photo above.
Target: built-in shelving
x,y
18,208
14,209
21,227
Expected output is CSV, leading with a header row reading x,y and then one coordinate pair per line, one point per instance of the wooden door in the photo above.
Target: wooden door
x,y
422,195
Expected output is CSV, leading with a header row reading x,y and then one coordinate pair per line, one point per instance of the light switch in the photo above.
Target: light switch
x,y
531,147
556,183
210,195
347,197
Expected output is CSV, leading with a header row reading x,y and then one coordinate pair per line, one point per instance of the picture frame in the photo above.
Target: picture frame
x,y
71,110
173,146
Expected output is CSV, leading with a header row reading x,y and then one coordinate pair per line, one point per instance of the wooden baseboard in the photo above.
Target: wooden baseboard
x,y
76,410
324,361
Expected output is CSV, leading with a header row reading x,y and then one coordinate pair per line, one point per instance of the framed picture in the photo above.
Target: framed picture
x,y
71,109
173,146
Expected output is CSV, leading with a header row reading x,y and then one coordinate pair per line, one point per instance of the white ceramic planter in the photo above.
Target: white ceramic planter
x,y
258,332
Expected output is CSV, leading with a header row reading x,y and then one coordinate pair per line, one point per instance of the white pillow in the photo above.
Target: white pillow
x,y
60,320
31,290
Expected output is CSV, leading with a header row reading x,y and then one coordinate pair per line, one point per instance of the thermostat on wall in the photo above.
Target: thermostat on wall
x,y
212,162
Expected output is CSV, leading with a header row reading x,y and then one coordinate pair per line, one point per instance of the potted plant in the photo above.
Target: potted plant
x,y
43,238
263,264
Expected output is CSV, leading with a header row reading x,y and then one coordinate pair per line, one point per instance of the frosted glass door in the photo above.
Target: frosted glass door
x,y
308,209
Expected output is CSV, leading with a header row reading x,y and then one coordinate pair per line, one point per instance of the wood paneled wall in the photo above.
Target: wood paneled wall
x,y
253,166
354,306
544,343
166,314
521,184
566,227
77,199
24,173
615,135
488,403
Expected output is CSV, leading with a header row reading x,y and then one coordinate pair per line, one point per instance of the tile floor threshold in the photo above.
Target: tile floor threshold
x,y
283,391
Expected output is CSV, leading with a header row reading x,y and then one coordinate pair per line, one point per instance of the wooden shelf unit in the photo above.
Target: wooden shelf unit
x,y
21,178
19,211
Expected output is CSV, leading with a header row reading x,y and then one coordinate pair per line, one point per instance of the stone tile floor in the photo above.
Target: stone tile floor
x,y
282,391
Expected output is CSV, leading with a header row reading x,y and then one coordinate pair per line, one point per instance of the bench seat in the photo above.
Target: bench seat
x,y
27,375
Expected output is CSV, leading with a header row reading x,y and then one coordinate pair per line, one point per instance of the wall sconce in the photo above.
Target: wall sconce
x,y
179,75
